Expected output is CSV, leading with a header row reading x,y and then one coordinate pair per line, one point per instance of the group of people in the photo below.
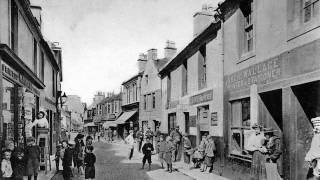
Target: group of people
x,y
18,162
265,148
79,154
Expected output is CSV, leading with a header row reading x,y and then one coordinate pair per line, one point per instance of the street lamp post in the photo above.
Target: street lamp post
x,y
61,99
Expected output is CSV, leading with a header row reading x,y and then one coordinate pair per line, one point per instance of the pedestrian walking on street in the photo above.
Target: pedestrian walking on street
x,y
130,141
67,160
161,149
89,161
6,167
169,153
110,139
139,137
89,140
32,155
147,151
18,164
209,155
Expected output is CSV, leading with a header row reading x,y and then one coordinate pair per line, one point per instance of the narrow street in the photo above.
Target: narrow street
x,y
112,163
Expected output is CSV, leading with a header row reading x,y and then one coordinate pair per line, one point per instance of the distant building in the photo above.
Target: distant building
x,y
150,111
74,105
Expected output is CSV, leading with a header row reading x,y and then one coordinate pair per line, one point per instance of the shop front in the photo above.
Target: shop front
x,y
20,99
281,93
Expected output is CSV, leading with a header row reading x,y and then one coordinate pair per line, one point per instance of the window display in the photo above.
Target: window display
x,y
8,107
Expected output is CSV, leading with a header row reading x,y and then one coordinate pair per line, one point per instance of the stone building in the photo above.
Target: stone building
x,y
192,82
131,90
29,77
76,108
271,77
150,111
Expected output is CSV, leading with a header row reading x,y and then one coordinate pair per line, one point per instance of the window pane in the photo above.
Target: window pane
x,y
307,13
8,110
316,8
236,143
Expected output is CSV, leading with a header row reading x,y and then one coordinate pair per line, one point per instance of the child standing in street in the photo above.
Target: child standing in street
x,y
147,151
67,161
18,164
161,146
32,155
89,161
209,155
6,167
169,153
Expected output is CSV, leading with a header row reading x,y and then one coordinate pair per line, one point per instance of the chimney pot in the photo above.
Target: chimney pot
x,y
170,49
152,54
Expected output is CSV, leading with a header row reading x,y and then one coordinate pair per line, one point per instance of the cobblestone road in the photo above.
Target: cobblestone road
x,y
112,164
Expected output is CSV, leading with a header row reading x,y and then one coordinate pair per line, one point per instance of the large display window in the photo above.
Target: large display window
x,y
8,110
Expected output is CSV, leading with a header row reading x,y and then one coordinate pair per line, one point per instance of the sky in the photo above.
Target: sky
x,y
101,39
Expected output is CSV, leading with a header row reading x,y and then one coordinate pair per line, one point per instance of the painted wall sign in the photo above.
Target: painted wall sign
x,y
214,119
172,104
202,97
17,77
260,73
193,121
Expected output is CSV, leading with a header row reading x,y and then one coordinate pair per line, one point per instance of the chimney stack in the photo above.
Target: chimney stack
x,y
203,18
36,11
170,50
142,60
152,54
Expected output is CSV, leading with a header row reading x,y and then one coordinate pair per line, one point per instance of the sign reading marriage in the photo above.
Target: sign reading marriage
x,y
260,73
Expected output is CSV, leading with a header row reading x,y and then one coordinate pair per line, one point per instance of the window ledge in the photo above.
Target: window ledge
x,y
246,56
303,28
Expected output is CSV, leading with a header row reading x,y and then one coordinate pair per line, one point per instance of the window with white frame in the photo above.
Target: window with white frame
x,y
246,9
311,9
240,125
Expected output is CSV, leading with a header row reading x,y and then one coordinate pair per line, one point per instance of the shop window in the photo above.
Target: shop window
x,y
240,123
8,110
311,9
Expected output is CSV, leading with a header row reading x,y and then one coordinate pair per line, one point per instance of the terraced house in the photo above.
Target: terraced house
x,y
30,72
150,111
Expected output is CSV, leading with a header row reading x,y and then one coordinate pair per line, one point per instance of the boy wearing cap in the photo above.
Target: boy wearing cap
x,y
66,161
32,158
147,151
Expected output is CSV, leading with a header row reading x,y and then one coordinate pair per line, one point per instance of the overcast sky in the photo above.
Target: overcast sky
x,y
101,39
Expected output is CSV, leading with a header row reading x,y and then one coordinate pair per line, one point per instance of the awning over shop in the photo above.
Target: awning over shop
x,y
109,124
89,124
125,116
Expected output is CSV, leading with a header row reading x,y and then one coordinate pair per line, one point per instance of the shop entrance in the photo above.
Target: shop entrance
x,y
303,105
270,116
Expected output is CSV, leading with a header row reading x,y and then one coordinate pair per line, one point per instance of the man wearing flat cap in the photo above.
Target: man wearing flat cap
x,y
176,137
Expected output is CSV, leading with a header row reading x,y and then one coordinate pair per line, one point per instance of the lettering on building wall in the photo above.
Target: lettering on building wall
x,y
172,104
260,73
19,78
203,97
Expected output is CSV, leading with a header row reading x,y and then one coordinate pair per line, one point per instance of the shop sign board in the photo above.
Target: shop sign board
x,y
261,73
214,119
202,97
19,78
